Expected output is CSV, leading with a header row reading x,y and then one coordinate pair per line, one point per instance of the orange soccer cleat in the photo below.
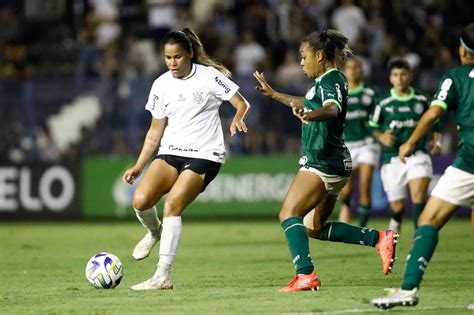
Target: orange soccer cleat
x,y
303,283
386,247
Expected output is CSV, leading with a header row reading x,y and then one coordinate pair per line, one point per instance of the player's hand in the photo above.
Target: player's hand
x,y
405,150
131,174
387,138
264,87
435,147
300,114
237,124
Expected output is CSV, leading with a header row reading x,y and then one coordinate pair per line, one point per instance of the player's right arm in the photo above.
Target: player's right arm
x,y
151,143
444,98
267,90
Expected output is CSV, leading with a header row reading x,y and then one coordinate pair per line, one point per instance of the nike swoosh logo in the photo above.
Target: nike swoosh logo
x,y
186,166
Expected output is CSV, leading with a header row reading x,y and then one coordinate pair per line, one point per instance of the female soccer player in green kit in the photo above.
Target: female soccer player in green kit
x,y
393,121
365,152
326,163
456,187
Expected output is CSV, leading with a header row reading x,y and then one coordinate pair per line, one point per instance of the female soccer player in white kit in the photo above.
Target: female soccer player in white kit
x,y
184,104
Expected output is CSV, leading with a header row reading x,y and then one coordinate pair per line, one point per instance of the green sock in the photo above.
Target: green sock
x,y
424,244
364,212
297,239
397,216
350,234
417,208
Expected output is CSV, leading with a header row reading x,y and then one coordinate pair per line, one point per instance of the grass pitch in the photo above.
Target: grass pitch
x,y
221,267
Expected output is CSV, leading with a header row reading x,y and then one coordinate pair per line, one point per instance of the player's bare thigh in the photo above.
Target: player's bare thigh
x,y
186,188
158,179
305,193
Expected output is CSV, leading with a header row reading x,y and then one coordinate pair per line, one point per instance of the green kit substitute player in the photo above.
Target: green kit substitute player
x,y
365,151
395,117
325,165
456,187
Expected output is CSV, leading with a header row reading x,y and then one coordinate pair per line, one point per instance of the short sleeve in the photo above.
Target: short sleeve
x,y
155,102
222,87
446,95
330,92
376,118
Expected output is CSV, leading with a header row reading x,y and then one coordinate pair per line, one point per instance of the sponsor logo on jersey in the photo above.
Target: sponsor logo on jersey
x,y
404,109
181,97
347,164
410,123
173,148
389,109
310,94
155,101
471,74
198,98
222,84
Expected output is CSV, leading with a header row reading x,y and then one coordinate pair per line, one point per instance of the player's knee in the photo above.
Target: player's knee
x,y
286,212
142,201
172,207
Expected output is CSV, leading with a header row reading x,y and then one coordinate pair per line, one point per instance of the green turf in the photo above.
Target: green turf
x,y
228,267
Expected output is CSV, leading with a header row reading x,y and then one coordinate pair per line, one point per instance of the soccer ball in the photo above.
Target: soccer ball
x,y
104,271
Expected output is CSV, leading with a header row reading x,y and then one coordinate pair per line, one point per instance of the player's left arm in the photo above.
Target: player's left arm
x,y
425,124
242,106
330,110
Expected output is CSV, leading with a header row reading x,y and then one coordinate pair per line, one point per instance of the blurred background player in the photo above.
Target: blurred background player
x,y
364,150
326,163
456,187
394,119
184,103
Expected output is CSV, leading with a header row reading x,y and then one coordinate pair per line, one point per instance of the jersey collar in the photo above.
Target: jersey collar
x,y
322,75
193,71
405,98
357,90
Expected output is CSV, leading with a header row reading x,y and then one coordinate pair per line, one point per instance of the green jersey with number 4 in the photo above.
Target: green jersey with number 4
x,y
399,114
322,141
360,104
456,93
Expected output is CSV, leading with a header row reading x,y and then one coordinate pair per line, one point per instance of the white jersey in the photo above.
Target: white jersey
x,y
191,105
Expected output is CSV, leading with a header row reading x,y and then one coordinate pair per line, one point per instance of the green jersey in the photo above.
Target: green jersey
x,y
456,92
360,104
400,114
322,141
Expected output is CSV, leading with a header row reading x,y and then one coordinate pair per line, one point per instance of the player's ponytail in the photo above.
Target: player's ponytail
x,y
332,43
200,55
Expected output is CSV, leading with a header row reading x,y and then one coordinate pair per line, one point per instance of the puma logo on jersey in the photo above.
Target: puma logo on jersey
x,y
220,83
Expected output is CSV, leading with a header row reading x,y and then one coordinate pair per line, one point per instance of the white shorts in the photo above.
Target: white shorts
x,y
365,151
396,175
456,186
333,183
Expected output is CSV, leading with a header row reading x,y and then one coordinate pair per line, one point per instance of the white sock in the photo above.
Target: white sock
x,y
169,243
149,219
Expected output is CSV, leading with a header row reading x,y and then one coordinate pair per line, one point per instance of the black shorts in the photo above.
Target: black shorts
x,y
210,169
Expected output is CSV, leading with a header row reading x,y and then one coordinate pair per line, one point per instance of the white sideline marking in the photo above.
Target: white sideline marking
x,y
375,310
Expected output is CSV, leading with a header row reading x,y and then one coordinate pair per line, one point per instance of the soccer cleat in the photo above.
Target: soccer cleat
x,y
154,283
395,225
303,283
397,298
386,247
143,248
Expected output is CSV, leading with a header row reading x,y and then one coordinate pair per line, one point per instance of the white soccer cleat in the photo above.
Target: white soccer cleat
x,y
397,297
144,247
155,283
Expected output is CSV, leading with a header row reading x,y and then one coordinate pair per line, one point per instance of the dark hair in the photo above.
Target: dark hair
x,y
467,37
331,42
399,64
191,43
